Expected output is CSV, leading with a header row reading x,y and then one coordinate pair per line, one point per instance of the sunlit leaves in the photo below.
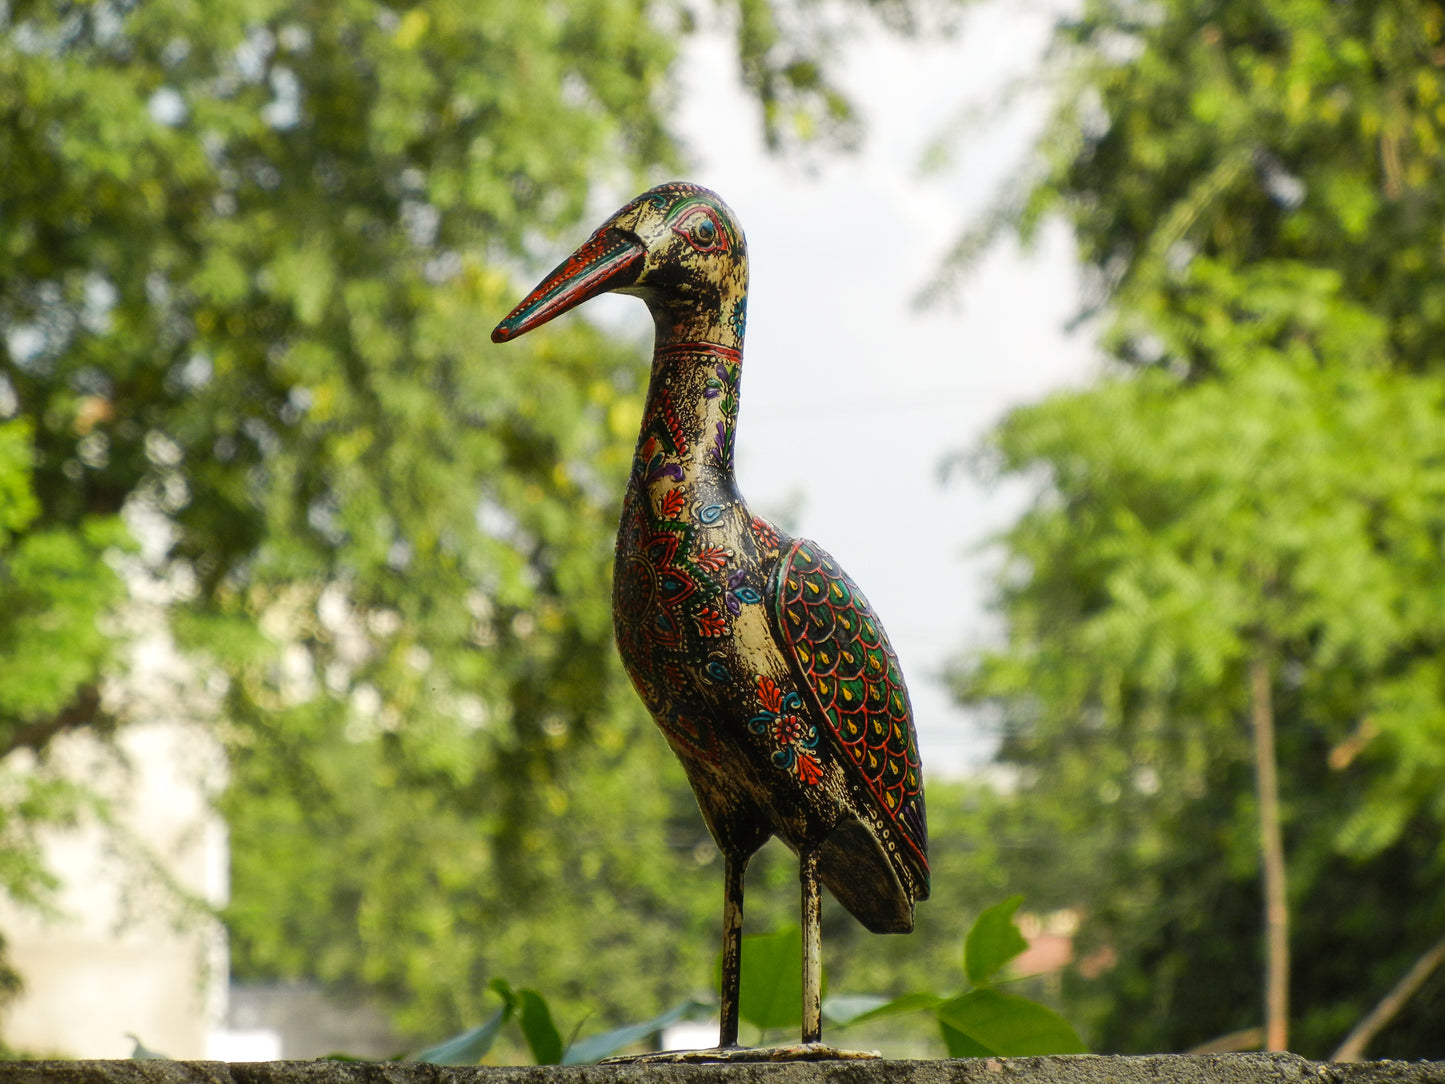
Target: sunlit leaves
x,y
992,941
983,1020
250,258
1256,189
989,1022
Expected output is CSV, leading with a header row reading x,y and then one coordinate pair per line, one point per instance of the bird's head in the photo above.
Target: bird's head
x,y
676,246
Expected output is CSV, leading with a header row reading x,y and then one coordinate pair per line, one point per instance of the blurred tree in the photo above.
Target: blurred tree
x,y
56,589
249,256
1243,521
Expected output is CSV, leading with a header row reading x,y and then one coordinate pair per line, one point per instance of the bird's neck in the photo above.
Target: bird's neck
x,y
691,413
716,314
692,397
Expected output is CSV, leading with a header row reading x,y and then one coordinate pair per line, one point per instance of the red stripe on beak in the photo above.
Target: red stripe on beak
x,y
610,258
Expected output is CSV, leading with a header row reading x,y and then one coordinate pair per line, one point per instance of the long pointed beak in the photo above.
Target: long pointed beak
x,y
611,258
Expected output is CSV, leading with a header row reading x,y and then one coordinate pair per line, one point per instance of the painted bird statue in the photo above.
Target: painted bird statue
x,y
760,660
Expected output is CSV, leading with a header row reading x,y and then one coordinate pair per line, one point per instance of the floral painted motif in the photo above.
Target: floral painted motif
x,y
650,464
739,592
711,623
738,318
712,558
723,385
653,587
764,532
781,719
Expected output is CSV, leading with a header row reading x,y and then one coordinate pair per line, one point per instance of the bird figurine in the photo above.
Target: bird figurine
x,y
760,660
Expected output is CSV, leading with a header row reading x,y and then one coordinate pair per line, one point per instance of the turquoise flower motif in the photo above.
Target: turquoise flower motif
x,y
738,318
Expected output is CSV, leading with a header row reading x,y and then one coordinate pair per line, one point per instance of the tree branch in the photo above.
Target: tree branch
x,y
1353,1048
35,736
1271,846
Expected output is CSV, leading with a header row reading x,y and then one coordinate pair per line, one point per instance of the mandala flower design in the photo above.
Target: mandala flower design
x,y
765,534
652,592
796,738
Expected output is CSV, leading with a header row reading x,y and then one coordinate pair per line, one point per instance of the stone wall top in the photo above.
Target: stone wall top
x,y
1074,1069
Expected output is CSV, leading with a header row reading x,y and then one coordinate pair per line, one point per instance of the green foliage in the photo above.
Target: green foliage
x,y
990,1023
57,594
1256,191
533,1017
534,1020
471,1046
55,587
772,987
992,941
984,1021
596,1047
249,262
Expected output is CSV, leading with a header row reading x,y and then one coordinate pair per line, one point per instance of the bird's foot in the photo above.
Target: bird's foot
x,y
737,1054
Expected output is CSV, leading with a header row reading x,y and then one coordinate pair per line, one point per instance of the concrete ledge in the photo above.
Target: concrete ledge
x,y
1078,1069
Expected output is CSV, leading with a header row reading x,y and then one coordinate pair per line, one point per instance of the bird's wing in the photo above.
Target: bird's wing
x,y
844,654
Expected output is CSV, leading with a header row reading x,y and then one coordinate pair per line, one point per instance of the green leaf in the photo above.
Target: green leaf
x,y
772,979
987,1022
469,1047
993,941
960,1045
596,1047
845,1011
503,989
535,1020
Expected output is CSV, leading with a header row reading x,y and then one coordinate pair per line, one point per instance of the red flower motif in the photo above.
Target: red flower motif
x,y
794,737
673,503
711,623
712,558
809,770
789,729
674,677
770,694
765,533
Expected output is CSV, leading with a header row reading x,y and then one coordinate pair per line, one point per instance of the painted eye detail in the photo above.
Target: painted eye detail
x,y
700,229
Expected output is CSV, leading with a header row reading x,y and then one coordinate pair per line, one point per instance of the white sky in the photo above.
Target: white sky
x,y
851,398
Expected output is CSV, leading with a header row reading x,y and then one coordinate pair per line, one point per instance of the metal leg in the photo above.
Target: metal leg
x,y
812,949
732,955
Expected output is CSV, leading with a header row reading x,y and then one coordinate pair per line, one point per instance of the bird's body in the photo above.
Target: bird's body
x,y
760,661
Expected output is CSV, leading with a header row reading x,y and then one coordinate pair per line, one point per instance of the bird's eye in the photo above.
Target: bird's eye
x,y
701,229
